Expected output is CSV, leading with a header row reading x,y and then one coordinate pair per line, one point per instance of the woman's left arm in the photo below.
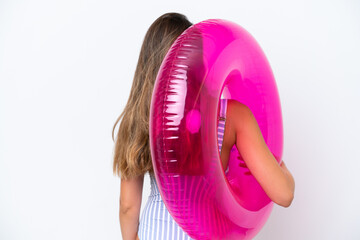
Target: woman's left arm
x,y
130,204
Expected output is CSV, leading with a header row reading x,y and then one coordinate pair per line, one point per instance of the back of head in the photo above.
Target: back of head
x,y
132,156
159,37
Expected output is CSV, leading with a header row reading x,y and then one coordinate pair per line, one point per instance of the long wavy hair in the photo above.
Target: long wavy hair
x,y
132,155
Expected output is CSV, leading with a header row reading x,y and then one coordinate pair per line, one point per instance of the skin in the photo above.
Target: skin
x,y
275,179
241,128
130,204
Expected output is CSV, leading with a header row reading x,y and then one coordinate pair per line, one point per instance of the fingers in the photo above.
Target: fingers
x,y
243,164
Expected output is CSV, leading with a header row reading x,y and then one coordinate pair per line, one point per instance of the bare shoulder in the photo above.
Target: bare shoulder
x,y
238,113
236,105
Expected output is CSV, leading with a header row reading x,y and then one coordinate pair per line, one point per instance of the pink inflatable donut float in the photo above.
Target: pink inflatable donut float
x,y
212,59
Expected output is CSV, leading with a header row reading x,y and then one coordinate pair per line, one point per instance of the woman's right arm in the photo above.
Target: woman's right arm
x,y
275,179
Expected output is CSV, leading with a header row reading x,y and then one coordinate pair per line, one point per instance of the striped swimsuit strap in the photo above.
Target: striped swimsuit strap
x,y
222,119
221,126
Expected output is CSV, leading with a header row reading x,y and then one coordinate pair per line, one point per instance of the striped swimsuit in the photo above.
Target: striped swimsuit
x,y
156,223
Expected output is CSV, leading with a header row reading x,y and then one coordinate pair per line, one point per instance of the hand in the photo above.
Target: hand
x,y
243,164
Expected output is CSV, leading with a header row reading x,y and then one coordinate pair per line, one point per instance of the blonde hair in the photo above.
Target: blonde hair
x,y
132,155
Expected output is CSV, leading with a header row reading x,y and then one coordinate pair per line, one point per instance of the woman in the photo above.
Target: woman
x,y
132,158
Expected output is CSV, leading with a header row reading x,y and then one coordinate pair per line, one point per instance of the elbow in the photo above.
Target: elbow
x,y
126,208
286,199
287,195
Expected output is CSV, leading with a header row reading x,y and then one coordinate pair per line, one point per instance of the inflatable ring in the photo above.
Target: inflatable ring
x,y
211,60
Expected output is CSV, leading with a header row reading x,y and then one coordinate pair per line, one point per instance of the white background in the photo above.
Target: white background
x,y
66,69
